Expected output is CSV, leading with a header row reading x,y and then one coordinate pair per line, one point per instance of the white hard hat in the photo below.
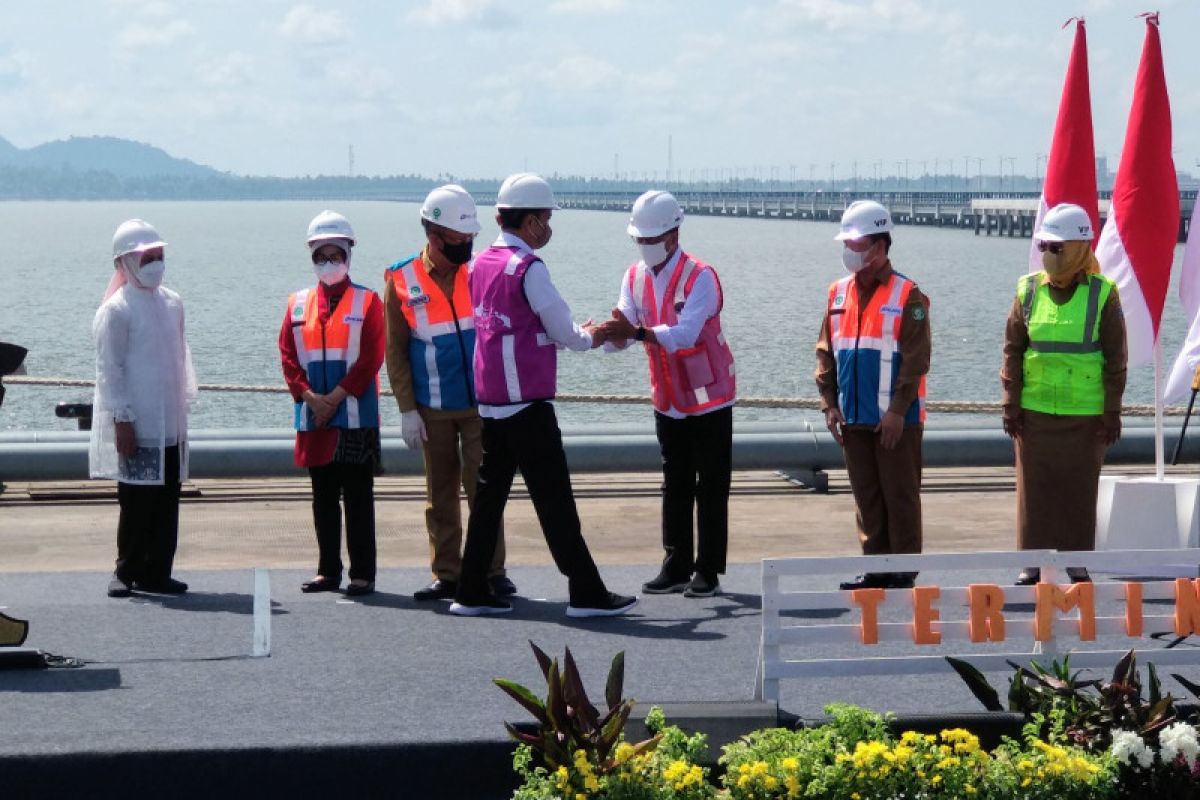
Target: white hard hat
x,y
1065,222
135,236
654,213
329,225
451,206
525,190
863,218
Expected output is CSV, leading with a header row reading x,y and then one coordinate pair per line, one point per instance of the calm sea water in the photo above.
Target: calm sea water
x,y
235,263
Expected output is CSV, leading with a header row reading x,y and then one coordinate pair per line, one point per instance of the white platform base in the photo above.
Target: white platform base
x,y
1146,513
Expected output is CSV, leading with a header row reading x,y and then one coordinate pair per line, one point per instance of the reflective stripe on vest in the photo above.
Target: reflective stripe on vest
x,y
692,379
1064,363
327,352
869,339
442,344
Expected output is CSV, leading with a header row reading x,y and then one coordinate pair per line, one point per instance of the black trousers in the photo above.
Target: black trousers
x,y
148,529
355,485
531,442
697,456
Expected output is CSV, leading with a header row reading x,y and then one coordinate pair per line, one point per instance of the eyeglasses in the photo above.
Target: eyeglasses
x,y
1050,247
333,257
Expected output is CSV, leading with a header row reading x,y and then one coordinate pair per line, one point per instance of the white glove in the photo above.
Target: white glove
x,y
412,429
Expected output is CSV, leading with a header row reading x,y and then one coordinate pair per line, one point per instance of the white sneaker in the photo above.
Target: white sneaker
x,y
484,608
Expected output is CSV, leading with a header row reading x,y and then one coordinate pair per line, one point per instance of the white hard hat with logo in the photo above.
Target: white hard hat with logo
x,y
329,225
654,213
525,190
135,236
863,218
451,206
1065,222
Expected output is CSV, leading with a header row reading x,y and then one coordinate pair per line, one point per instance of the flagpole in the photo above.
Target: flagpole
x,y
1158,411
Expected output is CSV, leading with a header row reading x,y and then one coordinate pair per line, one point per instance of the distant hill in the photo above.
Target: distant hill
x,y
120,157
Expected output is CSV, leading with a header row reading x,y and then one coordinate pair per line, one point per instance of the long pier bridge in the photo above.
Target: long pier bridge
x,y
1000,213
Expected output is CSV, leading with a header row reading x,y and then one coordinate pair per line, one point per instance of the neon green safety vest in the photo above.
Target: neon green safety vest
x,y
1064,364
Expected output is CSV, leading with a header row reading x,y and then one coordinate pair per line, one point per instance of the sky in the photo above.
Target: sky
x,y
483,88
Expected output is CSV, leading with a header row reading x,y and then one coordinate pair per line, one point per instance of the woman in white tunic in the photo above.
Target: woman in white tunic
x,y
144,380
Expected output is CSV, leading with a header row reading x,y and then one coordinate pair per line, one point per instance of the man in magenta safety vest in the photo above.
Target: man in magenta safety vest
x,y
872,358
520,321
430,350
671,302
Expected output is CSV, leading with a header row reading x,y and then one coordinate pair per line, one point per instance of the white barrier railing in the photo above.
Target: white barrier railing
x,y
975,600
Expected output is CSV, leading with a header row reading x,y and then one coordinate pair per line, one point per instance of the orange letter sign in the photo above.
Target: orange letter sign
x,y
869,600
1133,609
987,604
1051,598
1187,606
924,614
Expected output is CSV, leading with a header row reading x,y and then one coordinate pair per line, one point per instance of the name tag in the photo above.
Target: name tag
x,y
419,300
348,318
892,310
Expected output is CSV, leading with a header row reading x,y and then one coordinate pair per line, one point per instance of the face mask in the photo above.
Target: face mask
x,y
1061,267
459,253
853,261
653,254
331,273
150,274
546,230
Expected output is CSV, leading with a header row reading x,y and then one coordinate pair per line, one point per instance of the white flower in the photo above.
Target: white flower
x,y
1128,747
1177,740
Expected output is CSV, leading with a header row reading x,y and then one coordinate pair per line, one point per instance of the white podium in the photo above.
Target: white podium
x,y
1146,513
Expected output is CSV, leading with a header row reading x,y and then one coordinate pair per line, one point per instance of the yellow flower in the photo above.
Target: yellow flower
x,y
790,764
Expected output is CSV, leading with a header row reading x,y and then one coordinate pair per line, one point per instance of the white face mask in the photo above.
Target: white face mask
x,y
330,273
150,274
853,261
653,254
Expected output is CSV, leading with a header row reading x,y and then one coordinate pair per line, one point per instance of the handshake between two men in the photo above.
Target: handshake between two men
x,y
617,331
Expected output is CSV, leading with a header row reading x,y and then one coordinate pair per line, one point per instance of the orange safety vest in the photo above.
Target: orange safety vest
x,y
866,344
328,351
692,379
441,348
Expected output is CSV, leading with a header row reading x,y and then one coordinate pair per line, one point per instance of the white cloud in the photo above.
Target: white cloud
x,y
306,25
459,12
582,73
226,71
588,6
139,35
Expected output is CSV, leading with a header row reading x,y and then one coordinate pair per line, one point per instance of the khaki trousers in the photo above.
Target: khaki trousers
x,y
887,489
452,453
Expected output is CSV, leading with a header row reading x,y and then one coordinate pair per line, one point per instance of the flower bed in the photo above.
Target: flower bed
x,y
1083,739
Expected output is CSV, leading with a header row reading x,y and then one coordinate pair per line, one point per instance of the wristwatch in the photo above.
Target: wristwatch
x,y
640,336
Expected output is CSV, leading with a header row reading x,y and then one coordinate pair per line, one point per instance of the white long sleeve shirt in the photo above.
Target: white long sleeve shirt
x,y
551,309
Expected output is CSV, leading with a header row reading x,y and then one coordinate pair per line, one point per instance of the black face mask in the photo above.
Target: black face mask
x,y
459,253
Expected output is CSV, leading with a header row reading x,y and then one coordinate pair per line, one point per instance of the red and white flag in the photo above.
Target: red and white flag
x,y
1180,379
1138,241
1071,165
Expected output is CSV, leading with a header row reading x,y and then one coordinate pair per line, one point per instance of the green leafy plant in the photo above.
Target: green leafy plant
x,y
567,720
1085,711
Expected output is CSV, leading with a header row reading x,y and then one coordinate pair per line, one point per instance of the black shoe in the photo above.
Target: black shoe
x,y
613,605
360,588
665,584
502,586
902,580
702,586
480,606
1028,577
1078,575
438,590
869,580
164,586
119,588
320,584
